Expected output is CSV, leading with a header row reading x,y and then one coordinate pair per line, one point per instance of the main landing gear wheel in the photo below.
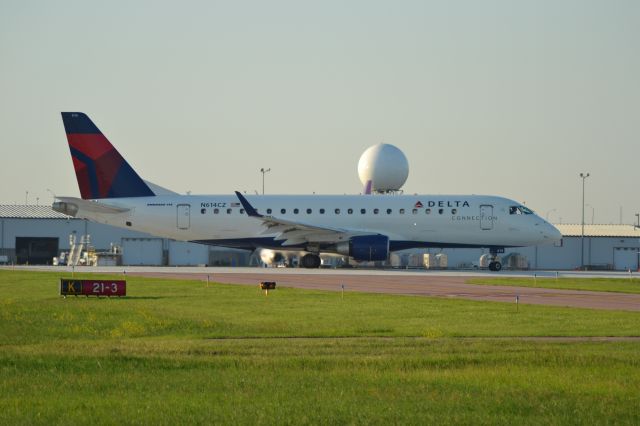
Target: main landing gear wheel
x,y
310,261
494,263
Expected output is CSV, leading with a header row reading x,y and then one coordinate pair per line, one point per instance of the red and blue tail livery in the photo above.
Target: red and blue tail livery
x,y
100,169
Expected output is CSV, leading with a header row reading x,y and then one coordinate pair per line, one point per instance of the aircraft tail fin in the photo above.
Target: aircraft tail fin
x,y
100,169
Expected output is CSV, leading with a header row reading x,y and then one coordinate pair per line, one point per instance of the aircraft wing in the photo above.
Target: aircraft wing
x,y
295,232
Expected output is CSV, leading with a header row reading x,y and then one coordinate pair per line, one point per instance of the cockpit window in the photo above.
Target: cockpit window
x,y
519,210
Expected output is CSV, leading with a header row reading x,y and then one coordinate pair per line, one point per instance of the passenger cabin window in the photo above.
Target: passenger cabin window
x,y
363,211
296,211
308,211
519,210
241,211
376,211
216,211
454,211
337,211
401,211
321,211
203,211
414,211
283,211
269,211
228,211
428,211
389,211
440,211
350,211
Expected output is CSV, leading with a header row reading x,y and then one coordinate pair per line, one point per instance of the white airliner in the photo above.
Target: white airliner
x,y
364,227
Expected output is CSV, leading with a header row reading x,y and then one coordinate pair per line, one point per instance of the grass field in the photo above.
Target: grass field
x,y
615,285
178,352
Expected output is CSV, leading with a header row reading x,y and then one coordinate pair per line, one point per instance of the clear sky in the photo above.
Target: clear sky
x,y
511,98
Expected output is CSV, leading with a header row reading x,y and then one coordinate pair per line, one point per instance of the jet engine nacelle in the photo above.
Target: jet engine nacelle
x,y
269,256
365,247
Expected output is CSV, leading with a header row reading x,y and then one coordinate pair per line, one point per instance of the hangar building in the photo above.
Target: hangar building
x,y
606,247
35,234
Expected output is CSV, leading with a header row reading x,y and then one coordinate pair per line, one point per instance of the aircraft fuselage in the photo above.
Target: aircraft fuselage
x,y
408,220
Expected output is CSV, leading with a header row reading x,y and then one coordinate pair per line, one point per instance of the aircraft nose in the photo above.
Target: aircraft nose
x,y
546,232
551,233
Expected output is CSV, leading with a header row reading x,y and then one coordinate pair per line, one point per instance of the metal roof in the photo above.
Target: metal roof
x,y
620,231
21,211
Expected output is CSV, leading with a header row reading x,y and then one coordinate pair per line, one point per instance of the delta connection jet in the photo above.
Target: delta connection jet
x,y
363,227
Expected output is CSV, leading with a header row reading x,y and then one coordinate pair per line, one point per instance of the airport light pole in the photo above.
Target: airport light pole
x,y
584,177
638,219
264,171
593,212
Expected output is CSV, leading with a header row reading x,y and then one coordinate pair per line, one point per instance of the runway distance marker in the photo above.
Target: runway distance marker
x,y
75,287
267,285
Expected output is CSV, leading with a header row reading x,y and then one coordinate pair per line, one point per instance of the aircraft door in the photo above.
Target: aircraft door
x,y
486,217
184,216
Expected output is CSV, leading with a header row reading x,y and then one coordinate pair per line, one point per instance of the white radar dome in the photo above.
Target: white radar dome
x,y
385,166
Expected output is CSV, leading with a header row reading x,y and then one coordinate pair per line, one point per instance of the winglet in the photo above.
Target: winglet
x,y
251,212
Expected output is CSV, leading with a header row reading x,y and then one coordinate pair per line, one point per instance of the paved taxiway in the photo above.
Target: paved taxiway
x,y
448,284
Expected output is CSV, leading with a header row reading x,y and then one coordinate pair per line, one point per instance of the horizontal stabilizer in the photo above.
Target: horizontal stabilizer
x,y
71,206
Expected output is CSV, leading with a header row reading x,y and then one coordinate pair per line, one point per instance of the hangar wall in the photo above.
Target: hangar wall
x,y
101,235
40,222
618,252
